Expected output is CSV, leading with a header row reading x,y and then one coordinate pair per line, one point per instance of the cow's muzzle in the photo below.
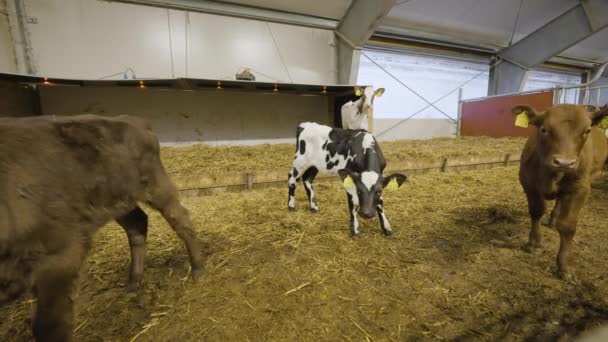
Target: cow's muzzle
x,y
564,164
366,214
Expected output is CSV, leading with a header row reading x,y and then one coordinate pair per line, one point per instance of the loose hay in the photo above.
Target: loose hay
x,y
453,270
205,159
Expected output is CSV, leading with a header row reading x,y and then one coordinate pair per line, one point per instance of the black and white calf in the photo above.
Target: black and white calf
x,y
356,157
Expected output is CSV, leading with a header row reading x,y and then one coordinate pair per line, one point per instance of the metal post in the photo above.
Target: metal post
x,y
598,96
22,45
459,115
556,95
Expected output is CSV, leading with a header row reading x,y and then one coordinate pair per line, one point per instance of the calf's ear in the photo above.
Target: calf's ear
x,y
358,90
379,92
534,117
591,108
79,133
598,115
393,181
348,178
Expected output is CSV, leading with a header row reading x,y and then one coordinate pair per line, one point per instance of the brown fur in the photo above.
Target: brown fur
x,y
62,178
558,162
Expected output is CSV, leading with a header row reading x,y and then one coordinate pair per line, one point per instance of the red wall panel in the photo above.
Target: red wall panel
x,y
492,117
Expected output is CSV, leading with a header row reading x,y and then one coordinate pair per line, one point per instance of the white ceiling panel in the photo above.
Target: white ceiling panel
x,y
333,9
594,48
489,23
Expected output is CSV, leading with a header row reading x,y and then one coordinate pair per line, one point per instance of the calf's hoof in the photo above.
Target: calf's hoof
x,y
387,233
532,248
133,286
291,208
197,273
567,277
135,297
314,210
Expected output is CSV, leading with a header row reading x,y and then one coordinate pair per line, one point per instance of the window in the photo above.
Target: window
x,y
430,76
543,79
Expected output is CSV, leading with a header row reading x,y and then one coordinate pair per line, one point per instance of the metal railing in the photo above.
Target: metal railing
x,y
580,95
574,94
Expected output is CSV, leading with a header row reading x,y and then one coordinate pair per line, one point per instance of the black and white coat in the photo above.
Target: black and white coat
x,y
354,155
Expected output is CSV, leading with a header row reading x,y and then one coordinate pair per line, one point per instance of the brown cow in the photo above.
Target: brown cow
x,y
62,178
558,162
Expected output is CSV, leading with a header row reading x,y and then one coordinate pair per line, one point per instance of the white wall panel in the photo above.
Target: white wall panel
x,y
7,56
395,129
178,46
94,39
220,46
431,77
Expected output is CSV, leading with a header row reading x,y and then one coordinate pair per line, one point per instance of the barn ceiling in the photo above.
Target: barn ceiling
x,y
487,23
332,9
481,23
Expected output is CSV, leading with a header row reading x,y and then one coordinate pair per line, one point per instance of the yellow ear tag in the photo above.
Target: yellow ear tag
x,y
603,124
521,120
392,185
348,183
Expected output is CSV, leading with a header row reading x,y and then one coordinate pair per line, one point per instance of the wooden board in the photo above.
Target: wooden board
x,y
238,181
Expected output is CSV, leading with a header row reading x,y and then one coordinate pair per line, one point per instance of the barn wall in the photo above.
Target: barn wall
x,y
187,117
93,39
7,56
435,78
18,100
413,129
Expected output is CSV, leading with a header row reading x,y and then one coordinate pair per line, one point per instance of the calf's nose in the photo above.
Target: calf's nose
x,y
564,163
366,213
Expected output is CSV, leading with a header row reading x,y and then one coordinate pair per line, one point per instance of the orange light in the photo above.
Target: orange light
x,y
141,84
46,81
219,85
276,87
324,90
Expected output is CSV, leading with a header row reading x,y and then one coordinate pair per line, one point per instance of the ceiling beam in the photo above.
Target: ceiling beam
x,y
571,27
239,11
356,27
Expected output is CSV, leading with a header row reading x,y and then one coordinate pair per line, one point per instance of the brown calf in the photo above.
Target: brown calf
x,y
61,178
558,162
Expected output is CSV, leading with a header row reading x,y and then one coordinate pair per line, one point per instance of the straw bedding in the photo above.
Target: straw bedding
x,y
197,159
453,270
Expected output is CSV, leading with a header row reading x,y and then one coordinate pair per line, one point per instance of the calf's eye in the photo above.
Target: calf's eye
x,y
543,130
